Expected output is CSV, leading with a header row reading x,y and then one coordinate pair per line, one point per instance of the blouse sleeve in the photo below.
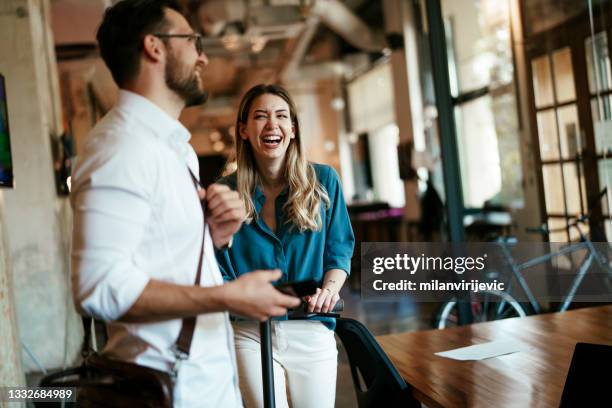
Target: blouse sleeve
x,y
339,240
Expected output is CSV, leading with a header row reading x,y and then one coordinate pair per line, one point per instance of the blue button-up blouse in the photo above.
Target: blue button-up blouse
x,y
299,255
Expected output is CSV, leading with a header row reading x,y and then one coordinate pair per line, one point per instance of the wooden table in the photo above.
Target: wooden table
x,y
533,378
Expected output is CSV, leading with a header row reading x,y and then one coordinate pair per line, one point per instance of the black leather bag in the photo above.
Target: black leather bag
x,y
102,382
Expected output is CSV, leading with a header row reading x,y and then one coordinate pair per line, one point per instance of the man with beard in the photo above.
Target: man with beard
x,y
138,224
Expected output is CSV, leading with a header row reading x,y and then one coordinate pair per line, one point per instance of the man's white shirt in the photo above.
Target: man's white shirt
x,y
137,217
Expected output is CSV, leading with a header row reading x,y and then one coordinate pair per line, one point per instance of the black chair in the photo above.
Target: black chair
x,y
377,382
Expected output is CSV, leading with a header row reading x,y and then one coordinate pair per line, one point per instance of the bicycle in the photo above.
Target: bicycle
x,y
495,305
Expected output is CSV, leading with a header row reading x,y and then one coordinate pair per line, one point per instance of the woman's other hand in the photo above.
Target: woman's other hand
x,y
323,301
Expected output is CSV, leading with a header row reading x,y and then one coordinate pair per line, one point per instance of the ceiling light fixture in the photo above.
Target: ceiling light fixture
x,y
218,146
214,136
231,42
258,43
337,104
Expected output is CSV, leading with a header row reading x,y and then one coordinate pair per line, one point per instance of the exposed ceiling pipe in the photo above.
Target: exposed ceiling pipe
x,y
333,13
324,70
213,14
341,19
224,10
346,24
290,70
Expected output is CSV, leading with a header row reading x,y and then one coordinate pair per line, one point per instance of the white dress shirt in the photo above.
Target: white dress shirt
x,y
137,217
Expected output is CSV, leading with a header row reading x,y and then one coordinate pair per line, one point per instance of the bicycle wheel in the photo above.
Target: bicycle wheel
x,y
486,306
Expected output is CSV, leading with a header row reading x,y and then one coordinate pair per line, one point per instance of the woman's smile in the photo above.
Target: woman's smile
x,y
272,141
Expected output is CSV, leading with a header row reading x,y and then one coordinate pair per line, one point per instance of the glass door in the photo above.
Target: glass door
x,y
571,115
559,138
597,53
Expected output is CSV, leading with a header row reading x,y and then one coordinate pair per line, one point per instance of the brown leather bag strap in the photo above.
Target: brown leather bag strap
x,y
183,342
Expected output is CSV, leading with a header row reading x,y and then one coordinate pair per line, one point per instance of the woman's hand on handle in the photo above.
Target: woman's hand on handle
x,y
326,297
323,301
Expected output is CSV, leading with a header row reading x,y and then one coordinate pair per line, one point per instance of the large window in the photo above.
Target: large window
x,y
371,113
599,72
482,85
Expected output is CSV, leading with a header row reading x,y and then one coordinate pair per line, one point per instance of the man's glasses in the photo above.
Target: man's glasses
x,y
197,39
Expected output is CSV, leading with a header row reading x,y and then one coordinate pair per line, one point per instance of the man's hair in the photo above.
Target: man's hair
x,y
122,31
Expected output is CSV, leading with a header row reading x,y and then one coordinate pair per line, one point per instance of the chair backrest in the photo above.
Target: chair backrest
x,y
377,382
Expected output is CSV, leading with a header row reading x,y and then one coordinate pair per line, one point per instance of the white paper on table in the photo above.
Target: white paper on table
x,y
483,351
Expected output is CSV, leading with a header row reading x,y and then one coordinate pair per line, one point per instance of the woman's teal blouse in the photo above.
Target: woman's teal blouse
x,y
299,255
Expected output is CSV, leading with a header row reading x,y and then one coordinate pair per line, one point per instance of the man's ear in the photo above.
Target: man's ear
x,y
153,48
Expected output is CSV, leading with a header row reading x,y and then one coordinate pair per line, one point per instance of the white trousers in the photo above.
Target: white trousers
x,y
305,360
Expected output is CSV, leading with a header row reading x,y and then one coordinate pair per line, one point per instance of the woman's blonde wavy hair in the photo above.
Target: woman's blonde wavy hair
x,y
302,208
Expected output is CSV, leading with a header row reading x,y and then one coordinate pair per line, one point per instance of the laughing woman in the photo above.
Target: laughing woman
x,y
297,222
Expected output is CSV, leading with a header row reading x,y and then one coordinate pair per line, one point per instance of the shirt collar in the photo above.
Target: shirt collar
x,y
260,198
259,195
152,117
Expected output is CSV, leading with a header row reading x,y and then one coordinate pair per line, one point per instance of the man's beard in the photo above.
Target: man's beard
x,y
185,86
